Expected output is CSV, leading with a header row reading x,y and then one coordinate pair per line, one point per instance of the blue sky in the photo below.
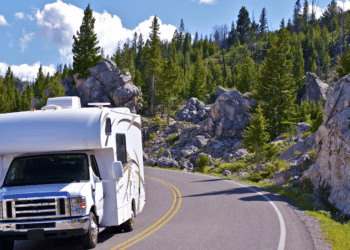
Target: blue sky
x,y
40,31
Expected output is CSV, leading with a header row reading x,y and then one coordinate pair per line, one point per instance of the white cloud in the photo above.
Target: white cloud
x,y
26,38
3,21
345,5
19,15
25,71
60,21
208,1
30,17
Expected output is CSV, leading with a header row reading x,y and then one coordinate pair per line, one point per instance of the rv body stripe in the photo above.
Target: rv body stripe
x,y
136,124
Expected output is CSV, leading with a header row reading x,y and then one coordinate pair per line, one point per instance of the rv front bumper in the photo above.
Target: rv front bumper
x,y
18,230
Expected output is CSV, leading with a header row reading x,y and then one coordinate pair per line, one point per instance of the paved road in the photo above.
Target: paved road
x,y
189,211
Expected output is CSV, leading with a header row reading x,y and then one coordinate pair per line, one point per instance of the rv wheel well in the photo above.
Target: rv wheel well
x,y
93,209
133,207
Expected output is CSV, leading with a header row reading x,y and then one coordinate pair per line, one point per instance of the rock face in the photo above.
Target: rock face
x,y
105,84
331,167
315,88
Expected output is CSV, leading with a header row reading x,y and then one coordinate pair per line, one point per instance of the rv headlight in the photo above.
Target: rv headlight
x,y
77,206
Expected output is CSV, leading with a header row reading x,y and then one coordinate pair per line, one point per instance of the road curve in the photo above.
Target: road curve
x,y
192,211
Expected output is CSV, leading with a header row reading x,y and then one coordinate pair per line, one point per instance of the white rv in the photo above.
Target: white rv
x,y
66,171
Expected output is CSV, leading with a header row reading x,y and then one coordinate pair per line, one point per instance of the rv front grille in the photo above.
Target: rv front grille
x,y
36,208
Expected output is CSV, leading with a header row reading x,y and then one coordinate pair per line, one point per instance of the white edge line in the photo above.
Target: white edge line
x,y
282,240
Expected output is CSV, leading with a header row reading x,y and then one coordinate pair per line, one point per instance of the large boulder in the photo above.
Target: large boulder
x,y
315,89
194,111
106,83
331,169
231,109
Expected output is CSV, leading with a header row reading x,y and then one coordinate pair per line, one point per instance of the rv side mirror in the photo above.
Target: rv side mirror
x,y
108,129
117,169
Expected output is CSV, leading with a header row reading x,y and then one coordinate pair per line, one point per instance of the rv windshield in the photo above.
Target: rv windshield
x,y
47,169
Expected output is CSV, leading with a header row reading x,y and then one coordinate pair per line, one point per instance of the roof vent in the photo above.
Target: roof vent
x,y
66,102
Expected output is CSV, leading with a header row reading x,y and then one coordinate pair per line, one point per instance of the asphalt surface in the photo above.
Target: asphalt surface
x,y
210,213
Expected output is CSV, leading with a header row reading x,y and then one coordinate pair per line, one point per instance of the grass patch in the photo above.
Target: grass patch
x,y
172,138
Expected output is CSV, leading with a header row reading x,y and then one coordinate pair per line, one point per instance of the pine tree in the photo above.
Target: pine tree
x,y
86,53
170,83
276,85
197,83
298,67
326,64
9,82
55,88
263,23
344,64
319,117
40,84
305,15
255,137
243,25
246,78
154,59
3,97
297,17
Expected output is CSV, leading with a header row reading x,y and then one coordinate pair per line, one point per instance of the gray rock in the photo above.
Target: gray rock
x,y
226,172
303,127
315,88
331,166
200,141
303,147
166,154
280,178
240,153
151,162
207,97
164,162
123,94
207,125
220,90
145,157
105,65
228,157
237,146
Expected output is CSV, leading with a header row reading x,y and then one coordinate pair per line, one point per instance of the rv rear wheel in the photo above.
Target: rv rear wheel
x,y
7,244
89,240
128,225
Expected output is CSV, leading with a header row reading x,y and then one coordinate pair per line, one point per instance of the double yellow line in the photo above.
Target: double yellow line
x,y
161,222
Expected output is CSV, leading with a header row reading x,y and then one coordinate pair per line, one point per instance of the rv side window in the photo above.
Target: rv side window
x,y
121,148
95,166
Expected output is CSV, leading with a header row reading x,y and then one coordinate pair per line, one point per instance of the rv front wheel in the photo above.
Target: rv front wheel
x,y
89,240
7,244
128,225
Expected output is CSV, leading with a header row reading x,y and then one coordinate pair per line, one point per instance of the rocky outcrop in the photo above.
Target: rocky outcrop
x,y
106,83
331,169
194,111
315,89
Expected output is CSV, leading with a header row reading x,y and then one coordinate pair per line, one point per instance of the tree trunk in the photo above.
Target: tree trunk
x,y
257,159
152,95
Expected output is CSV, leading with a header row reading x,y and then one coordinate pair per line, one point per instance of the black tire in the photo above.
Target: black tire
x,y
89,240
128,225
7,244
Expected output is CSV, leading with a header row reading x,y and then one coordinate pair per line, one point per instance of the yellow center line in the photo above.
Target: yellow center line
x,y
155,226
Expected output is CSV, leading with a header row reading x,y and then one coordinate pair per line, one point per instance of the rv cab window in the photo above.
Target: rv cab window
x,y
95,166
121,148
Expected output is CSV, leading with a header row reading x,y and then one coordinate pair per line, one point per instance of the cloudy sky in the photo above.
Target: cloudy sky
x,y
40,31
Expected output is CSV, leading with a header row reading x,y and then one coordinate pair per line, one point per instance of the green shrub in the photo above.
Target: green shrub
x,y
323,190
306,185
296,152
277,165
161,150
271,151
306,135
202,162
157,120
151,137
172,138
172,115
312,154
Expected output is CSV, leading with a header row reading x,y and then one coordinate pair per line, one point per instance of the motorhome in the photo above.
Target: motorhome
x,y
68,170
